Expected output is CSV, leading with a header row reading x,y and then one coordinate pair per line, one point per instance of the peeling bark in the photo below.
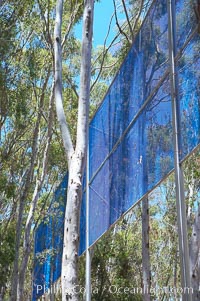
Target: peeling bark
x,y
69,275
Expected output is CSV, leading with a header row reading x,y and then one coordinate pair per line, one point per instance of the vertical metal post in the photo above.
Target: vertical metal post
x,y
88,254
180,195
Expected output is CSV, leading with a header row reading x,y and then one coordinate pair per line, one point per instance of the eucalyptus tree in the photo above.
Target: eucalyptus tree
x,y
39,56
27,119
76,155
27,125
191,169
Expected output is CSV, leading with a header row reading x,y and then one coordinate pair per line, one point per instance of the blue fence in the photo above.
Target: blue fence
x,y
130,136
133,126
49,243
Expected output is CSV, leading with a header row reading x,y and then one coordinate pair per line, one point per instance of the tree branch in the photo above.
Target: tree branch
x,y
138,15
46,31
83,105
118,26
127,17
72,19
105,50
67,141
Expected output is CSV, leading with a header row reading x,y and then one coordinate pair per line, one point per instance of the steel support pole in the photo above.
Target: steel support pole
x,y
179,180
88,254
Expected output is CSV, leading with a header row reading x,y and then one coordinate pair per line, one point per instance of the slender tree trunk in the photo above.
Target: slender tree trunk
x,y
29,222
2,292
28,182
175,273
146,274
14,281
75,156
194,250
52,291
15,273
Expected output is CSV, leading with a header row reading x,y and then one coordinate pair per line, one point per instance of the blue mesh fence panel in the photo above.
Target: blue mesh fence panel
x,y
100,205
128,173
49,243
141,160
99,136
141,149
43,245
58,226
186,20
82,243
83,225
139,74
131,143
189,94
39,266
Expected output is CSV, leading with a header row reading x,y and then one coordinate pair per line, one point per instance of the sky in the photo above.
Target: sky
x,y
102,14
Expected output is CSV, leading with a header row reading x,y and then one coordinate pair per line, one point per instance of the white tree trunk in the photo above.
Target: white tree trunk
x,y
69,275
194,250
67,142
76,157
